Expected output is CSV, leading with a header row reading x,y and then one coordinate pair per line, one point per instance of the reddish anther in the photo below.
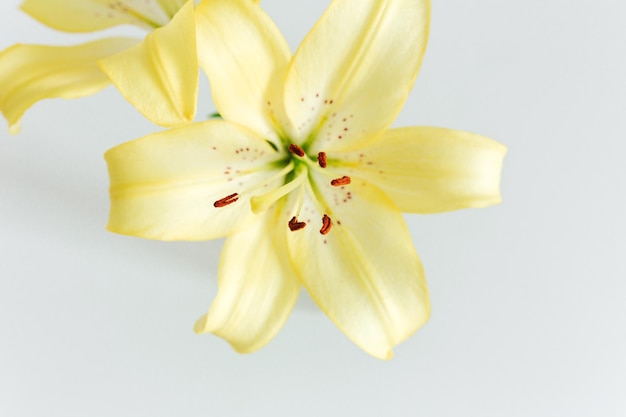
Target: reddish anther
x,y
229,199
326,225
321,159
345,180
296,150
294,224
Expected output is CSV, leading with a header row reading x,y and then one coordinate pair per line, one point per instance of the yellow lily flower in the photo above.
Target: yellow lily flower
x,y
303,175
158,75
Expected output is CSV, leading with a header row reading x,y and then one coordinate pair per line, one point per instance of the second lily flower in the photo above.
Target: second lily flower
x,y
158,75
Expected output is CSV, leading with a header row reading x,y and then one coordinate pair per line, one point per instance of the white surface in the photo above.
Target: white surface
x,y
528,297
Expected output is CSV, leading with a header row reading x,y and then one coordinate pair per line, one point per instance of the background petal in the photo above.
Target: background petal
x,y
92,15
29,73
244,56
160,75
430,169
354,70
364,273
257,287
163,186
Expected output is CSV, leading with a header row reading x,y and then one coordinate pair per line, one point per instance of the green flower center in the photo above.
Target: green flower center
x,y
295,174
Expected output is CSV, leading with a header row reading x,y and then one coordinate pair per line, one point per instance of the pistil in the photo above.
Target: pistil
x,y
261,203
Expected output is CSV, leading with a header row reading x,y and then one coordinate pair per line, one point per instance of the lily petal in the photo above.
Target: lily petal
x,y
257,287
92,15
29,73
160,75
432,170
164,186
341,90
244,56
364,273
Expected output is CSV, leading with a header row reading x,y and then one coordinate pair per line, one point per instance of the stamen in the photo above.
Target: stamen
x,y
321,159
296,150
326,225
229,199
294,224
345,180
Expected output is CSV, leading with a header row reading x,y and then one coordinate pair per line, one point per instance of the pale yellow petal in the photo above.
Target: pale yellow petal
x,y
430,169
257,287
160,76
353,72
164,186
29,73
92,15
364,273
244,56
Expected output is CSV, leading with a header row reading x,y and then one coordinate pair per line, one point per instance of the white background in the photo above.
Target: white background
x,y
528,297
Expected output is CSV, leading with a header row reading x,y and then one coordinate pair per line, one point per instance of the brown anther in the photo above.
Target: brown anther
x,y
326,225
321,159
337,182
229,199
294,224
296,150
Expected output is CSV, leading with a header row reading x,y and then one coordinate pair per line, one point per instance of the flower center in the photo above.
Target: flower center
x,y
295,175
